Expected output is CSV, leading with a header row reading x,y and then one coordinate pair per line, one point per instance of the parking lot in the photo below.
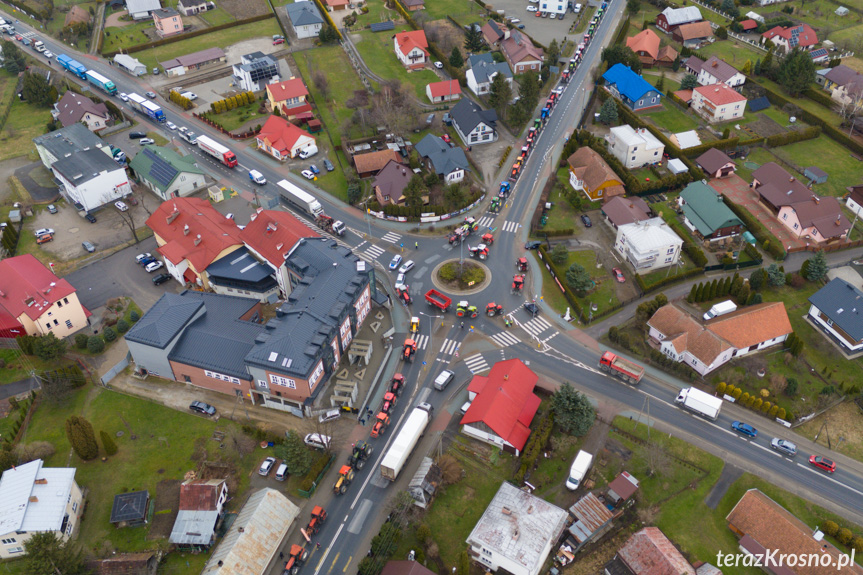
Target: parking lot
x,y
544,30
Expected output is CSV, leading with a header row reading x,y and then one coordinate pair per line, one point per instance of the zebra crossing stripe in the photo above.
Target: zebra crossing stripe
x,y
374,251
422,341
485,221
476,363
505,339
448,346
510,226
391,237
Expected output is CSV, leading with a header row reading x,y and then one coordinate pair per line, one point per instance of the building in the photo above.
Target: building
x,y
631,89
502,406
622,488
305,19
449,163
74,108
667,56
240,274
199,512
34,301
749,25
705,348
693,35
516,532
251,546
91,179
37,499
718,103
255,71
481,71
553,7
281,139
589,173
844,84
591,520
619,211
671,18
815,174
445,91
716,163
192,7
191,62
65,142
414,5
390,183
337,5
714,71
854,201
646,45
130,509
291,97
634,148
168,22
367,165
836,309
141,9
493,34
412,49
143,563
648,245
473,124
649,552
787,38
520,53
705,213
166,173
76,15
131,65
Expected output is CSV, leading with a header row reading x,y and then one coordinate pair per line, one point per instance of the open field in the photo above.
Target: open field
x,y
845,427
843,168
126,37
466,10
672,118
604,294
378,54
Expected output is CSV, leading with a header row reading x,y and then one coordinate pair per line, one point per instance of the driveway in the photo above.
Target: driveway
x,y
40,194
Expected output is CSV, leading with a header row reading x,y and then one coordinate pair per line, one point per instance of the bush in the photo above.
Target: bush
x,y
134,315
81,340
845,536
720,387
774,410
123,326
109,334
80,433
95,344
830,528
108,443
857,544
781,414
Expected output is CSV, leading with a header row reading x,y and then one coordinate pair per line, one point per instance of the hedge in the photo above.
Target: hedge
x,y
773,246
554,233
793,136
819,96
646,288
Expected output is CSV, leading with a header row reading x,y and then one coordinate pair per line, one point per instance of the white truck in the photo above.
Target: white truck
x,y
300,198
404,443
699,402
579,469
721,308
39,46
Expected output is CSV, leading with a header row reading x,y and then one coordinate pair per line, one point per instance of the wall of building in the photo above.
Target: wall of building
x,y
104,189
63,318
210,380
822,320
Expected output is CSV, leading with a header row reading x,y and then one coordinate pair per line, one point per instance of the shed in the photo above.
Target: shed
x,y
623,487
425,483
815,174
676,166
841,11
758,104
130,509
315,126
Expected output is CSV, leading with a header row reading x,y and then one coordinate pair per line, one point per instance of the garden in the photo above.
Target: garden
x,y
378,54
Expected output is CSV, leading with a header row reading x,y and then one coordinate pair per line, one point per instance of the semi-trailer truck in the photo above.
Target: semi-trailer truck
x,y
73,66
404,443
699,402
623,368
217,150
101,82
146,107
300,198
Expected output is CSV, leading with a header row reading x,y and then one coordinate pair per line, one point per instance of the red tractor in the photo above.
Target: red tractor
x,y
397,384
517,283
381,424
480,251
521,264
487,239
410,348
404,295
319,515
493,309
296,558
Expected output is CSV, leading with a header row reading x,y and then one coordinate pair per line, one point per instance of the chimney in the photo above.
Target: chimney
x,y
173,215
816,199
791,179
198,240
33,499
837,221
279,246
186,230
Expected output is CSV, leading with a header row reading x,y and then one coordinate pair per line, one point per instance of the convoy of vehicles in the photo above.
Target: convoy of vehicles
x,y
404,443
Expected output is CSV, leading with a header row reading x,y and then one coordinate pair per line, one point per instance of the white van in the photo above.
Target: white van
x,y
308,152
330,415
577,8
443,379
579,469
282,472
721,308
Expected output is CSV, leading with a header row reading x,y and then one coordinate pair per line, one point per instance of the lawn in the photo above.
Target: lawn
x,y
18,366
843,169
778,116
216,17
562,215
604,295
812,106
377,12
126,37
377,52
233,119
758,156
25,122
734,52
334,183
458,9
672,118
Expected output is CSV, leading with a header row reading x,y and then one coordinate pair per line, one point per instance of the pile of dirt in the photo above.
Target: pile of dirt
x,y
166,505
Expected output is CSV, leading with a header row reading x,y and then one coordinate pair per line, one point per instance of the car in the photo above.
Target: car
x,y
532,9
45,238
282,472
48,54
744,428
400,283
19,37
784,446
822,463
267,466
161,278
395,262
183,129
586,221
278,41
537,12
329,165
553,16
52,209
532,245
308,174
189,95
151,95
317,440
137,135
446,138
141,257
531,308
171,125
146,261
43,232
124,96
88,246
515,21
204,408
438,65
90,218
520,27
464,407
408,266
153,266
121,206
314,169
618,275
145,141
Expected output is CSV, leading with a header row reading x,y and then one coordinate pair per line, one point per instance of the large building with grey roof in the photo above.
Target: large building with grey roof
x,y
64,142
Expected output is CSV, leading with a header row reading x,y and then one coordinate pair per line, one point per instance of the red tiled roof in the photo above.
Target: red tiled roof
x,y
646,41
749,24
272,234
720,94
288,90
338,2
649,552
753,324
199,496
445,88
805,34
280,134
29,288
373,162
694,30
407,41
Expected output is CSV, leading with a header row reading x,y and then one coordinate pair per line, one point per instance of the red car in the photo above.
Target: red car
x,y
446,138
822,463
618,275
278,41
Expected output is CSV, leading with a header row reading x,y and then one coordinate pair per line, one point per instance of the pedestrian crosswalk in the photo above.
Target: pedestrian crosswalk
x,y
357,233
536,326
448,347
510,226
391,237
476,363
485,222
505,339
374,251
422,341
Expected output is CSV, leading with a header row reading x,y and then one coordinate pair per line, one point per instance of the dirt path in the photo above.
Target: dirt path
x,y
595,439
113,20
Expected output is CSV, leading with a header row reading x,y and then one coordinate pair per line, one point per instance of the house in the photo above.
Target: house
x,y
131,65
714,71
589,173
619,211
65,142
448,163
34,301
141,9
631,89
405,568
666,57
192,7
693,35
390,183
835,309
502,406
553,7
130,509
591,520
412,49
648,245
716,163
705,348
787,38
705,213
281,139
671,18
473,124
337,5
191,62
622,488
255,71
509,537
520,53
291,97
634,148
414,5
91,179
481,71
445,91
240,274
305,19
37,499
74,108
718,103
493,34
199,512
844,84
854,201
646,45
768,530
143,563
76,15
168,22
649,552
367,165
815,174
252,543
166,173
806,215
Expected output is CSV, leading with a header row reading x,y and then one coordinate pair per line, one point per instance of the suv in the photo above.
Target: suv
x,y
137,135
202,407
161,278
317,440
443,379
88,246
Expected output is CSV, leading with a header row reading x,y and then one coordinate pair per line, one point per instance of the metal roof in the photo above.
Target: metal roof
x,y
240,266
705,209
84,166
26,505
304,14
165,320
444,159
842,303
131,506
194,527
69,140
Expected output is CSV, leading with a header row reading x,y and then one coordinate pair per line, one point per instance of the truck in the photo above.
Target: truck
x,y
579,469
73,66
626,370
308,152
404,443
699,402
146,107
438,300
721,308
39,46
328,224
189,136
300,198
101,82
217,150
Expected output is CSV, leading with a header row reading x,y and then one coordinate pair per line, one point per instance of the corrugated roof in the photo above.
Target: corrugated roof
x,y
28,505
627,82
590,514
705,209
195,58
677,16
194,527
649,552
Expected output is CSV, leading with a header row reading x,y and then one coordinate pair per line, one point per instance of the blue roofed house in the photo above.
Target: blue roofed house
x,y
631,89
448,163
481,71
837,309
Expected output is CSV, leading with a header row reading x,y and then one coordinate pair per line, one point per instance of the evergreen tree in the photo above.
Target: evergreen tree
x,y
295,454
796,72
700,293
455,58
675,66
713,289
817,267
756,280
693,294
608,112
689,82
621,54
49,347
500,94
13,58
743,295
757,68
559,254
633,6
46,553
578,278
573,412
80,433
108,443
775,276
37,90
660,84
414,191
747,67
473,39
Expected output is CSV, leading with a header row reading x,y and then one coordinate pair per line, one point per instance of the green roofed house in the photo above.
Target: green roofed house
x,y
705,213
166,173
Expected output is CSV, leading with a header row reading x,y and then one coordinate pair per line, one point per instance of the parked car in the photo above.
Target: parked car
x,y
43,231
822,463
189,95
532,245
121,206
314,169
151,95
408,266
400,283
141,257
206,409
438,65
329,165
784,446
308,174
88,246
171,125
618,275
90,218
395,262
531,8
147,261
267,466
586,221
531,308
137,135
153,266
161,278
44,239
124,97
744,429
447,139
145,141
278,41
52,209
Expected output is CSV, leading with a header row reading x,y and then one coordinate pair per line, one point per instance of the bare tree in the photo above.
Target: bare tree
x,y
323,86
394,106
852,104
657,458
127,216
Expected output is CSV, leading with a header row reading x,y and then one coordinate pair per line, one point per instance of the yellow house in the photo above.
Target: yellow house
x,y
289,97
589,173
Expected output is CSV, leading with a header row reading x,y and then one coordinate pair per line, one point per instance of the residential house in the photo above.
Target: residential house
x,y
787,38
367,165
716,163
473,124
646,45
37,499
337,5
502,406
649,552
844,84
714,71
199,512
508,537
445,91
290,97
693,35
589,173
74,108
481,71
253,542
448,163
305,19
34,301
412,49
168,22
671,18
806,215
192,7
648,245
705,348
553,7
141,9
414,5
76,15
631,89
718,103
854,200
255,71
749,25
166,173
390,183
619,211
195,61
143,563
131,65
91,179
405,568
634,148
130,509
240,274
666,56
705,213
494,34
65,142
836,309
281,139
520,53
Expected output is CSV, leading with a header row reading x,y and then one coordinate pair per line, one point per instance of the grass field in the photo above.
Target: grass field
x,y
458,9
604,295
233,119
843,168
126,37
378,54
216,17
672,118
25,122
18,365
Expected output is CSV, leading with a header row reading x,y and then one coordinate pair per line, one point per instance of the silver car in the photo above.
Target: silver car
x,y
784,447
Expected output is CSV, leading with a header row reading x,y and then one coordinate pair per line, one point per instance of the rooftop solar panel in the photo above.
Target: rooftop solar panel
x,y
160,170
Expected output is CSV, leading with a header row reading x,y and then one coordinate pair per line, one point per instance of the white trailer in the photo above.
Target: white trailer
x,y
298,197
404,443
699,402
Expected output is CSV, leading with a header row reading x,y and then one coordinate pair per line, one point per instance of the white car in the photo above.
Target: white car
x,y
121,206
400,282
267,466
531,8
183,129
190,95
145,141
124,97
308,174
48,54
438,65
406,267
171,126
141,257
153,266
44,231
552,15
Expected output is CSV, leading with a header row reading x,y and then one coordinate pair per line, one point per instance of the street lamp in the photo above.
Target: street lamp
x,y
430,318
365,206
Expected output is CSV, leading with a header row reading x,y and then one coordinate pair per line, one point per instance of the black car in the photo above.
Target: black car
x,y
531,308
586,221
532,245
329,165
202,407
90,217
161,278
137,135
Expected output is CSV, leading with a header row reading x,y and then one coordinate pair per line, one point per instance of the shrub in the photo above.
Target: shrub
x,y
745,397
95,344
80,433
781,413
109,334
720,387
830,528
765,407
108,443
123,326
773,410
756,402
134,315
81,340
845,536
737,393
423,533
857,544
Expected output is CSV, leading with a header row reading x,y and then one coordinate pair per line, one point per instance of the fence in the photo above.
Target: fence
x,y
308,494
831,248
114,371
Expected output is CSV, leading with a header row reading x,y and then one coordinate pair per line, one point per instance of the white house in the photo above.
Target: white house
x,y
305,19
648,245
634,148
166,173
65,142
448,163
255,71
91,179
837,311
37,499
412,49
553,6
855,199
482,70
473,124
714,71
718,103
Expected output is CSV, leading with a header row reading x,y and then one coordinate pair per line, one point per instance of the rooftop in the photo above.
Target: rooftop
x,y
130,506
649,234
706,210
85,166
842,302
677,16
34,498
66,141
240,266
72,107
719,69
393,179
444,159
195,58
720,94
445,88
375,161
408,41
645,41
304,14
650,552
28,287
627,82
685,334
695,30
281,134
589,166
632,137
620,210
519,48
273,233
484,67
161,166
468,115
713,160
801,35
293,88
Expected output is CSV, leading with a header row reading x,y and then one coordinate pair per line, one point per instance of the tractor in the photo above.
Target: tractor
x,y
521,264
495,205
397,384
505,188
487,239
319,515
517,283
480,251
471,224
390,401
457,236
464,309
362,451
346,476
403,293
410,348
493,309
296,558
415,325
383,421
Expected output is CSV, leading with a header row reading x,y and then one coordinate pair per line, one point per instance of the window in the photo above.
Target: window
x,y
795,226
56,322
15,550
814,233
283,381
671,250
633,158
668,259
65,300
262,383
635,149
187,379
59,304
9,541
75,506
48,326
68,324
784,216
215,375
653,100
